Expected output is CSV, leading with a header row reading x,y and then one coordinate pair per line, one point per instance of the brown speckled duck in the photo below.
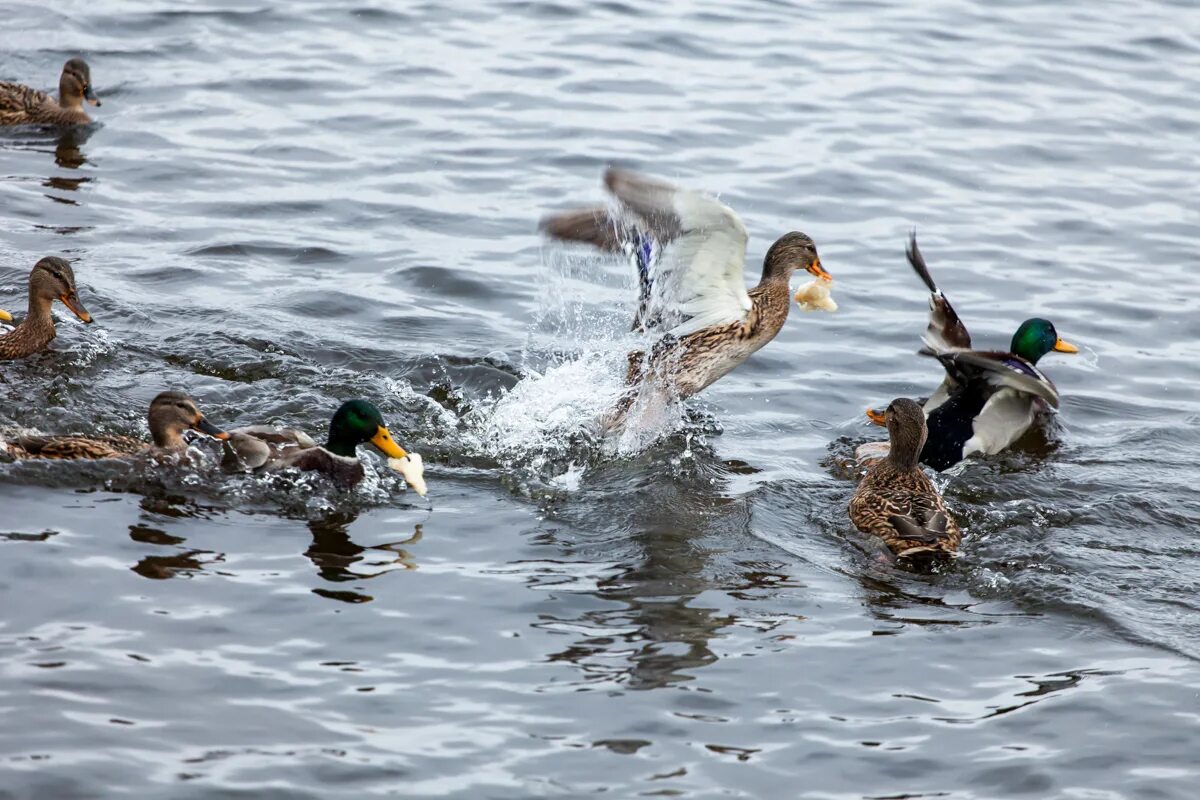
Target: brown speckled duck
x,y
264,447
51,279
171,413
690,251
897,502
23,105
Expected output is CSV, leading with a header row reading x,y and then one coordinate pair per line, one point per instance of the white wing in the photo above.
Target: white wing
x,y
697,278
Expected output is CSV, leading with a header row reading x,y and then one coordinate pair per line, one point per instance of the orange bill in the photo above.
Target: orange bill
x,y
71,301
816,269
877,417
1065,347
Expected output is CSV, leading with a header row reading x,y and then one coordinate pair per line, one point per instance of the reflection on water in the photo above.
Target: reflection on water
x,y
338,559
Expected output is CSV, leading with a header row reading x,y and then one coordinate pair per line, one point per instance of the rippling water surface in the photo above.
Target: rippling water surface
x,y
286,205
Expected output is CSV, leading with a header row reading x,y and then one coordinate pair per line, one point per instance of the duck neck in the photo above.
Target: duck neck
x,y
34,332
905,450
168,439
341,446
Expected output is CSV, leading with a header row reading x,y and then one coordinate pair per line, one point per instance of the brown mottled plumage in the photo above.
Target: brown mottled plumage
x,y
51,279
690,252
23,105
171,413
897,502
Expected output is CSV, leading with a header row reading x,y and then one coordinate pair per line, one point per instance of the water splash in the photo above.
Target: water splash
x,y
557,419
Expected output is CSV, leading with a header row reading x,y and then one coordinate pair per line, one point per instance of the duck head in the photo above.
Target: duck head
x,y
791,252
1035,338
906,431
172,413
75,85
359,422
53,279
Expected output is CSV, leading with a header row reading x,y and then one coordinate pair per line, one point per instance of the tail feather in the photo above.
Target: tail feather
x,y
910,529
918,262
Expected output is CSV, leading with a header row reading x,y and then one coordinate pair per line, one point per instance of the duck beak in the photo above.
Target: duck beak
x,y
90,96
71,301
816,269
5,316
877,417
1065,347
204,426
383,440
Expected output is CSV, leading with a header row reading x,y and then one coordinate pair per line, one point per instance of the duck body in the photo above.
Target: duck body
x,y
52,279
897,502
262,448
171,413
24,105
987,399
689,251
265,448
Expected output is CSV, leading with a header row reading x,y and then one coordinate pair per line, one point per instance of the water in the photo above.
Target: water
x,y
287,205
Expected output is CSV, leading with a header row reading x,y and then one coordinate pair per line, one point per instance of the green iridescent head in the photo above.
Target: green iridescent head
x,y
359,422
1035,338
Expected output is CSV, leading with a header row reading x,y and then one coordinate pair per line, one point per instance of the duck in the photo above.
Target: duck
x,y
988,399
51,279
897,502
24,105
267,448
171,414
689,251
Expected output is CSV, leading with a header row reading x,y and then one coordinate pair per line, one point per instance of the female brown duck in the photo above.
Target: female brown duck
x,y
51,279
23,105
896,501
690,251
171,413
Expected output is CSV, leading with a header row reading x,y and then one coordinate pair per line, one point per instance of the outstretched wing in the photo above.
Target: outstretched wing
x,y
1001,371
945,331
690,251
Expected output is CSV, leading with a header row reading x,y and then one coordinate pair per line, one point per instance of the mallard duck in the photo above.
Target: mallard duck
x,y
896,501
23,105
690,251
171,413
51,279
263,447
988,399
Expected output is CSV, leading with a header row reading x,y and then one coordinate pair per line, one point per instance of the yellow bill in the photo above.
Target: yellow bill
x,y
383,440
1065,347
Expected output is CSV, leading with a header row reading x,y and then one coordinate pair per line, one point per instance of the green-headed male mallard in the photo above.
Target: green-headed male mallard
x,y
51,279
988,399
171,413
263,447
896,501
690,251
23,105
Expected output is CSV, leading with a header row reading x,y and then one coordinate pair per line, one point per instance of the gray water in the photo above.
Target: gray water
x,y
282,206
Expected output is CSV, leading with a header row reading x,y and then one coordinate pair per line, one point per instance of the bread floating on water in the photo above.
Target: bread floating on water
x,y
815,295
412,468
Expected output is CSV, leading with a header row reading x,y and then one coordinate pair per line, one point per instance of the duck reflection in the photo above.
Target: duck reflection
x,y
339,559
661,635
161,567
68,155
